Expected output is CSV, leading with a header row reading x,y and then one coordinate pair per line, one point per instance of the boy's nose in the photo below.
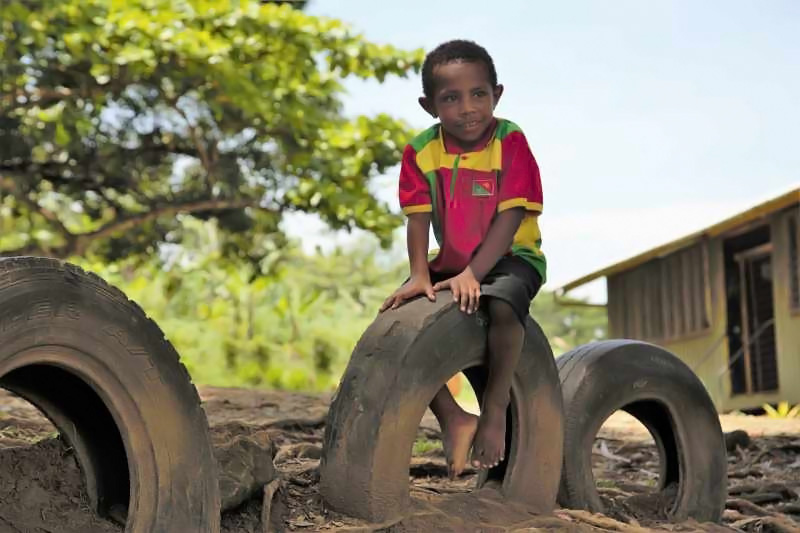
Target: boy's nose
x,y
467,109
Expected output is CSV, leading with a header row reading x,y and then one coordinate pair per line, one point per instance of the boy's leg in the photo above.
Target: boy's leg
x,y
506,336
458,430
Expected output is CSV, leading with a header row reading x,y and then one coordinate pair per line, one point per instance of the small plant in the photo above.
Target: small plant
x,y
424,446
784,410
606,484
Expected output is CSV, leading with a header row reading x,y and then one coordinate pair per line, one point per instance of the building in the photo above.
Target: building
x,y
725,299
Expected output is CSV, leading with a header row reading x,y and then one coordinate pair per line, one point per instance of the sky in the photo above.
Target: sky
x,y
649,119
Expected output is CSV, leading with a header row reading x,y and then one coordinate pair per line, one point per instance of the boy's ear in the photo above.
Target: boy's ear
x,y
427,105
498,92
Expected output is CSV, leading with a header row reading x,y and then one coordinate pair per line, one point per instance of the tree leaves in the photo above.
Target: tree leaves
x,y
142,109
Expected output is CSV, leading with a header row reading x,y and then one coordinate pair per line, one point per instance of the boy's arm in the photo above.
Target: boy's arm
x,y
417,241
497,241
415,200
466,287
420,280
520,191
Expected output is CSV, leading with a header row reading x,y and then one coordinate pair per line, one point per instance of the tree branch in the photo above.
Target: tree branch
x,y
44,96
8,186
80,242
198,143
129,222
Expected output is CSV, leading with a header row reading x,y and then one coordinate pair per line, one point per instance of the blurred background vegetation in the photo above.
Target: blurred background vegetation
x,y
160,143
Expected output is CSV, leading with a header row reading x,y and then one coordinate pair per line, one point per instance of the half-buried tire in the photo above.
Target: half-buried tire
x,y
103,373
664,394
399,363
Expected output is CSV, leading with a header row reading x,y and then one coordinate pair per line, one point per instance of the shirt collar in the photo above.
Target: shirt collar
x,y
452,147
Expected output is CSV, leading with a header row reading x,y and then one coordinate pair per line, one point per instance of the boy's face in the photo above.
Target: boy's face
x,y
463,99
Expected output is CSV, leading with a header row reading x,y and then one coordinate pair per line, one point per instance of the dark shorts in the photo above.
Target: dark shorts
x,y
512,280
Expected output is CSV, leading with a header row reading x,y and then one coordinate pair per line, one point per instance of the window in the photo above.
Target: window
x,y
794,265
663,299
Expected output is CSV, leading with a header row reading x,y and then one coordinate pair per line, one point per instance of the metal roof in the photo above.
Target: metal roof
x,y
754,213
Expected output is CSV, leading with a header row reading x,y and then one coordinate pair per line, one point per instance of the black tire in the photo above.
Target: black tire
x,y
665,395
399,363
104,374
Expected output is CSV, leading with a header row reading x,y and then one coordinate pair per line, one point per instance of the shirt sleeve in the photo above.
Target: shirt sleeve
x,y
520,184
414,190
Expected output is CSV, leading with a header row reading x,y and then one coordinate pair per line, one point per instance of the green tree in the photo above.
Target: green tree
x,y
118,116
568,326
290,324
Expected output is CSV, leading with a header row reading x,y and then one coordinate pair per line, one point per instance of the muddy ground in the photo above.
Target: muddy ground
x,y
41,491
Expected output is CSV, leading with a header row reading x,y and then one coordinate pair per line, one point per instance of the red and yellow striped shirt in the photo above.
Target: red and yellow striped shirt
x,y
464,191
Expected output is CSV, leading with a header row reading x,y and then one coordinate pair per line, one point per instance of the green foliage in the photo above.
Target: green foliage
x,y
568,326
291,321
116,116
292,324
423,446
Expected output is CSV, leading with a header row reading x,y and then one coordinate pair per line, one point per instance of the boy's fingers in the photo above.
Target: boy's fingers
x,y
462,297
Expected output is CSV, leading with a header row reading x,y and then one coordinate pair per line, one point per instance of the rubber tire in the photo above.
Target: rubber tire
x,y
104,374
396,368
663,393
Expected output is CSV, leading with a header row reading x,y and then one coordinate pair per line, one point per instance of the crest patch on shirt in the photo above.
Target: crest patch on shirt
x,y
483,186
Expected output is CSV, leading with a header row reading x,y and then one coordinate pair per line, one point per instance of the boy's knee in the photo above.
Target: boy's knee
x,y
501,312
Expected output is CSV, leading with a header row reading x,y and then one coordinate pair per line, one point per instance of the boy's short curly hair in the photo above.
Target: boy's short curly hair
x,y
455,50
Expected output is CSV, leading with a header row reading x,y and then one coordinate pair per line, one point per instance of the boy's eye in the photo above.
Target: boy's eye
x,y
479,94
449,98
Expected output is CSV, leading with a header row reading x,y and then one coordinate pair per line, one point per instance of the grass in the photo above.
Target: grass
x,y
25,435
423,446
606,484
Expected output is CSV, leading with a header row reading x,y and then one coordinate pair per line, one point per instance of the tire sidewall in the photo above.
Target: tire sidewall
x,y
637,372
58,317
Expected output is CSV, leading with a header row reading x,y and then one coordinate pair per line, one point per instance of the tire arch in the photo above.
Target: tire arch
x,y
399,363
103,373
663,393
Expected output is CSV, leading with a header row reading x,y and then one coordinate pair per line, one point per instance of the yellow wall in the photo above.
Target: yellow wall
x,y
787,322
707,354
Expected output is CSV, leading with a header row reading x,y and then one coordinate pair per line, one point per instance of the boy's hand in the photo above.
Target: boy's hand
x,y
413,287
466,290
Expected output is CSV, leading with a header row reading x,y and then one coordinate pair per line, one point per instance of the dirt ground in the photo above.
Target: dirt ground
x,y
41,490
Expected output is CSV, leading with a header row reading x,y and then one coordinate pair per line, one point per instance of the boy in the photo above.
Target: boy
x,y
476,179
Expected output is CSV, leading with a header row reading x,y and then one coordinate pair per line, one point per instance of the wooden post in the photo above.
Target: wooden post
x,y
743,293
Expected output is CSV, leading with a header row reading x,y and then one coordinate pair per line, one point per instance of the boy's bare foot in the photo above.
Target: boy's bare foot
x,y
490,439
457,433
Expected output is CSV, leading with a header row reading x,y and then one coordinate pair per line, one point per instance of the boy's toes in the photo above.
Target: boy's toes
x,y
479,460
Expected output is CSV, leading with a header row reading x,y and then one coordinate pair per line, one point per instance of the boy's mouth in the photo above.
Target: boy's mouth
x,y
471,125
